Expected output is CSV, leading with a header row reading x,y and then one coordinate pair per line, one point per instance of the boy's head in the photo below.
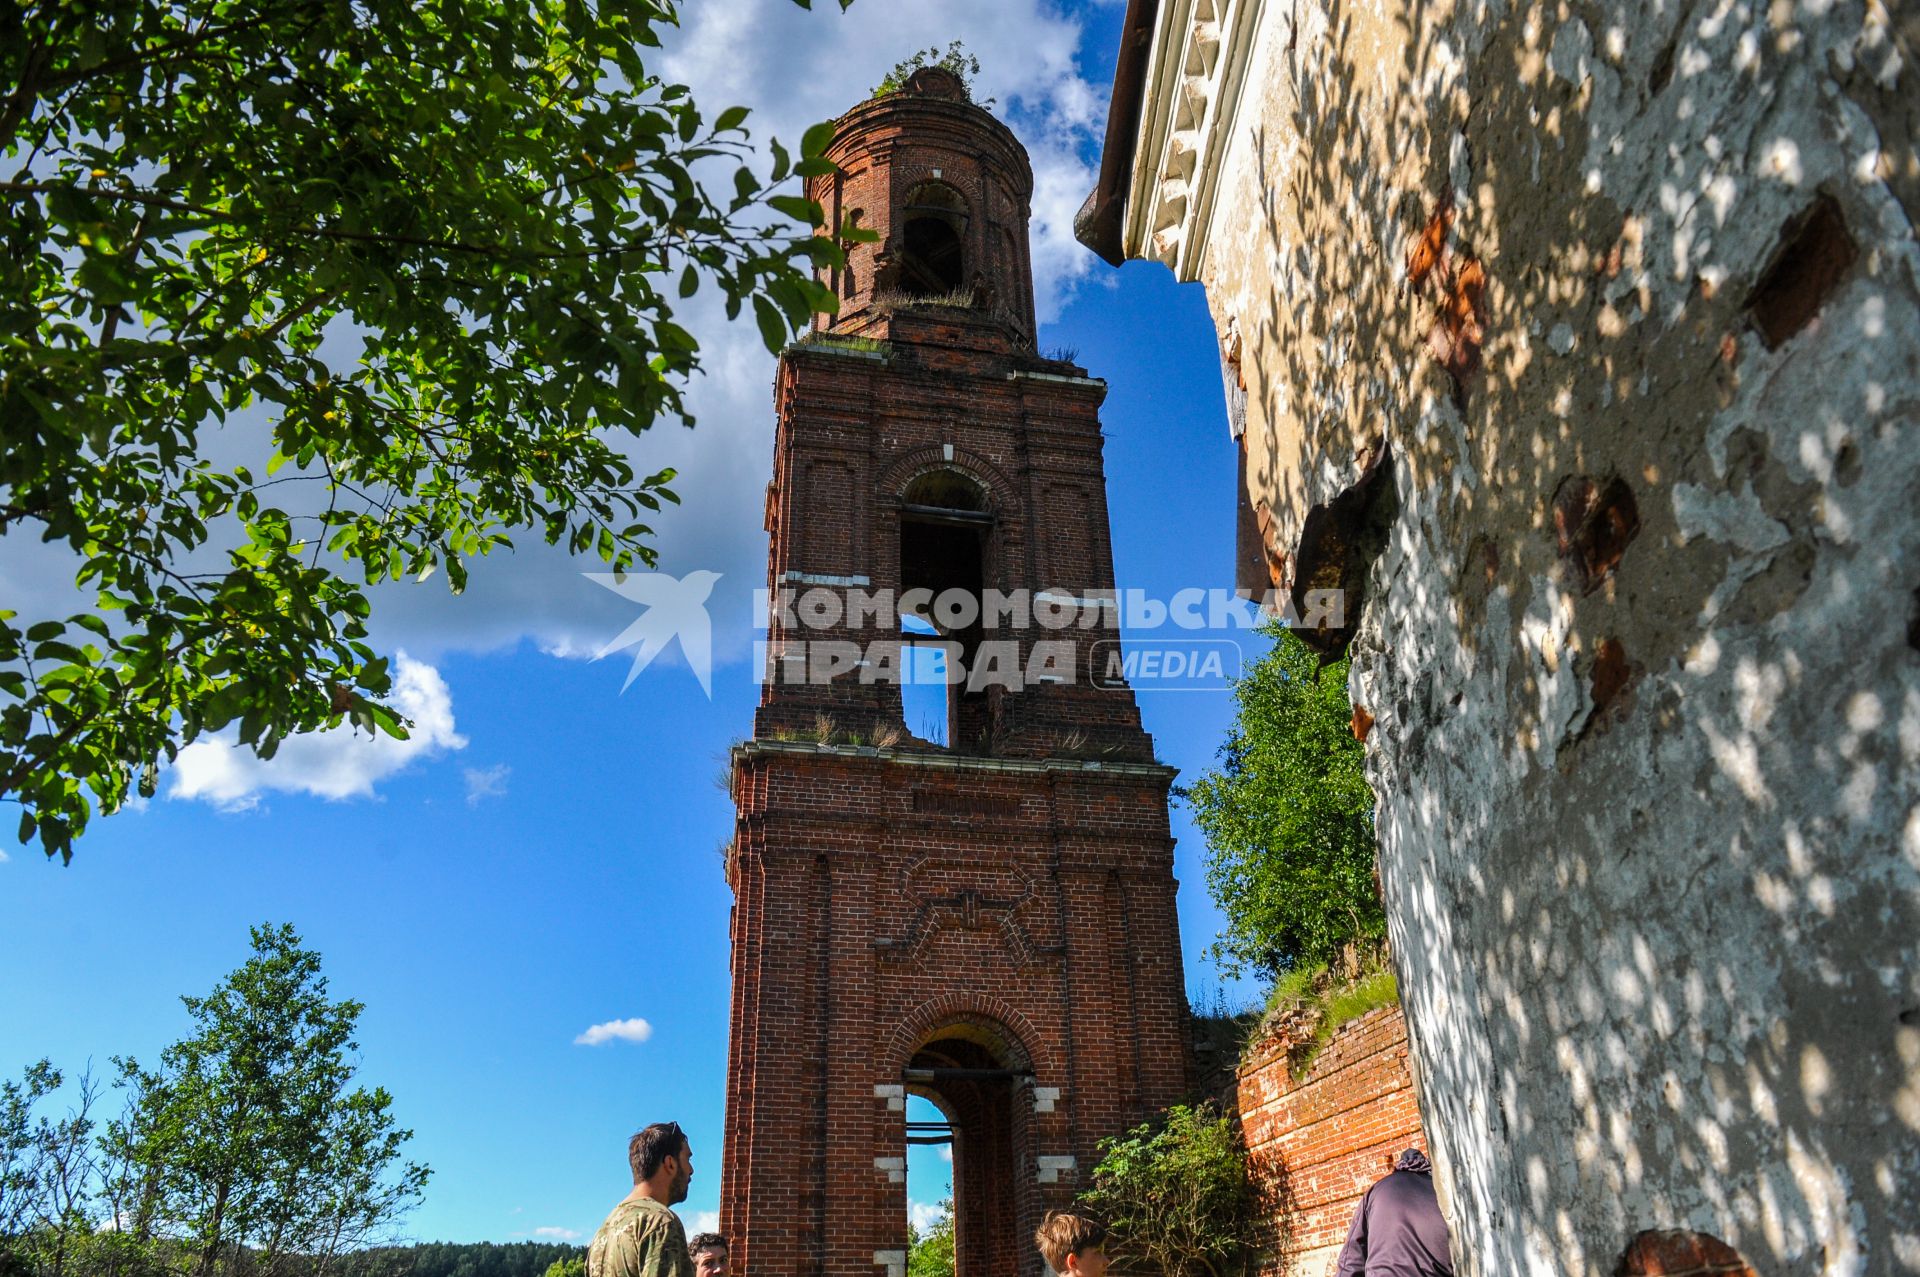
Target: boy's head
x,y
1073,1245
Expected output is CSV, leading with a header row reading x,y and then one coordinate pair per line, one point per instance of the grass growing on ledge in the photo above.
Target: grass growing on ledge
x,y
961,298
1309,1005
1370,993
827,730
840,341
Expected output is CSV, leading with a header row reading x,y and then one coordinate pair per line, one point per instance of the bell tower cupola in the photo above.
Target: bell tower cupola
x,y
950,191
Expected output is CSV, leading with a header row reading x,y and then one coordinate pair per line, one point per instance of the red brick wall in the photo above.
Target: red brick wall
x,y
991,926
1317,1144
885,900
853,432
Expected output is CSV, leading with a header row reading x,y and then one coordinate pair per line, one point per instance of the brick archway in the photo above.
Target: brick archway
x,y
910,465
977,1070
999,1020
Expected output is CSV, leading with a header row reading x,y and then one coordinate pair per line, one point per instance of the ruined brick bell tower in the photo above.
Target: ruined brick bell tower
x,y
985,920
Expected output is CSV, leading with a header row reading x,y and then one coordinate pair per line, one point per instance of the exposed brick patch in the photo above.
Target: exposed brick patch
x,y
1460,284
1430,246
1593,524
1679,1253
1461,320
1611,673
1814,254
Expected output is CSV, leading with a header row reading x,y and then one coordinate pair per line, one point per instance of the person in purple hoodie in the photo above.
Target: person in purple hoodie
x,y
1398,1230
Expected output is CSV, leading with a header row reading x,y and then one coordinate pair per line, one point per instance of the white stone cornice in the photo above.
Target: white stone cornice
x,y
1195,73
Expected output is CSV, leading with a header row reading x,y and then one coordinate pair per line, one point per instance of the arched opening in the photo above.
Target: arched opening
x,y
973,1076
933,235
944,527
929,1187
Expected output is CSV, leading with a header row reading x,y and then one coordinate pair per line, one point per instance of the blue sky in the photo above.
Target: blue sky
x,y
544,858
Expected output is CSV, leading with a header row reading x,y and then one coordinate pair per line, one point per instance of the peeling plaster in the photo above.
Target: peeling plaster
x,y
1661,964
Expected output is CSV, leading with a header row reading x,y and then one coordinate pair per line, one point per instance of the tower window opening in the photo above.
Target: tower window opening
x,y
933,259
923,691
944,526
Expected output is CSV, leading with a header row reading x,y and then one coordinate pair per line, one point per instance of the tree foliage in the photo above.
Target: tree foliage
x,y
250,1135
1288,818
1176,1197
247,1150
466,1259
930,1254
46,1170
302,297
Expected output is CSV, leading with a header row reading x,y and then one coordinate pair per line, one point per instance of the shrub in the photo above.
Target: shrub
x,y
956,59
1176,1197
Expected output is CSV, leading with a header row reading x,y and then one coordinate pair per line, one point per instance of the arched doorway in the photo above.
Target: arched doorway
x,y
978,1076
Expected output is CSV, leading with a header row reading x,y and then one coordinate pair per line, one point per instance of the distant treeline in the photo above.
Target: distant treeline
x,y
426,1259
458,1259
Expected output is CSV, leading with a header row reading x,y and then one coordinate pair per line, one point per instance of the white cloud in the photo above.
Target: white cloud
x,y
946,1154
548,1233
334,764
924,1215
634,1030
4,857
486,782
702,1221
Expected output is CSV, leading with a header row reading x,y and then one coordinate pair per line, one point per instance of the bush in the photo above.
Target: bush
x,y
1176,1197
930,1254
956,59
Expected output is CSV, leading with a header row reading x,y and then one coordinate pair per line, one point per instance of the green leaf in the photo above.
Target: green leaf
x,y
773,329
388,721
819,250
731,118
818,297
816,139
801,210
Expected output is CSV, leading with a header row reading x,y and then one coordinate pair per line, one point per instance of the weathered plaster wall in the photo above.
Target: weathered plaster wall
x,y
1643,649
